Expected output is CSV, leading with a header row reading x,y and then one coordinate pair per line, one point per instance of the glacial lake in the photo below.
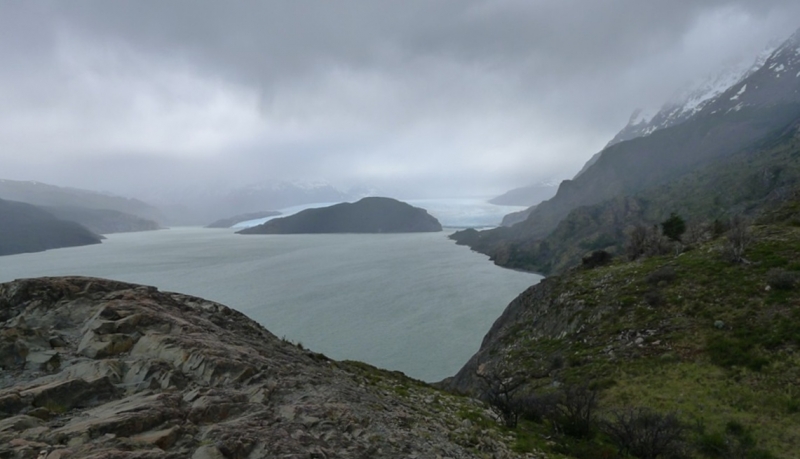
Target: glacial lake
x,y
416,303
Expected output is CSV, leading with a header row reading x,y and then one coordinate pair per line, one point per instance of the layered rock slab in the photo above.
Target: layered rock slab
x,y
105,369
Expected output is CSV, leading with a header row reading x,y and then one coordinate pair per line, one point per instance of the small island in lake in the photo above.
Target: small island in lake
x,y
369,215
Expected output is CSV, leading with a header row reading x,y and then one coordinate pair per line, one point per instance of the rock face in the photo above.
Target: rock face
x,y
540,309
369,215
104,369
26,228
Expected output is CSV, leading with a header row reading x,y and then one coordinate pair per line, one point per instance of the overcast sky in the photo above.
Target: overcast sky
x,y
431,97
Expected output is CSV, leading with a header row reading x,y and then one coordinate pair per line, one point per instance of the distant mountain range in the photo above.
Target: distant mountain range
x,y
27,228
197,204
99,212
527,195
201,203
103,221
747,131
41,194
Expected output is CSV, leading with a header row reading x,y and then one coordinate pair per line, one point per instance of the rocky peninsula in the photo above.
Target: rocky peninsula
x,y
369,215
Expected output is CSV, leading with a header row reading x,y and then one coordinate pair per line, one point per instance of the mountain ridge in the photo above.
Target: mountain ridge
x,y
42,194
26,228
735,121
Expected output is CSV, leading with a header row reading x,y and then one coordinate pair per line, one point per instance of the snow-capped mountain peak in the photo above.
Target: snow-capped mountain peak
x,y
692,100
776,81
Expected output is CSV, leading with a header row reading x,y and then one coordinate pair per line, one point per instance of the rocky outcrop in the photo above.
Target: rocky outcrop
x,y
369,215
104,369
541,311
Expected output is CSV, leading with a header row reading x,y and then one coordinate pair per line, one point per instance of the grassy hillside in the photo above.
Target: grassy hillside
x,y
714,342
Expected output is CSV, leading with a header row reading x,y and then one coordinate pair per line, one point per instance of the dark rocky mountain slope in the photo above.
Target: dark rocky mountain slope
x,y
95,368
745,183
26,228
369,215
743,121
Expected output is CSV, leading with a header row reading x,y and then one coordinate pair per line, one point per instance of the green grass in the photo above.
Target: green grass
x,y
742,372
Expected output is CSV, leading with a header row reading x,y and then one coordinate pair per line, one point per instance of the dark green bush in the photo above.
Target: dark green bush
x,y
673,227
596,259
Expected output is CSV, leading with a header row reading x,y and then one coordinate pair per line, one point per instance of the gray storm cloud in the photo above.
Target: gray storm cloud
x,y
446,98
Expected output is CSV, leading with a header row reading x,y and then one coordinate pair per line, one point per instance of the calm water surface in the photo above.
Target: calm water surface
x,y
410,302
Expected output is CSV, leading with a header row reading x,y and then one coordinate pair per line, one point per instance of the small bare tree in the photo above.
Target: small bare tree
x,y
500,390
697,233
738,239
646,241
637,240
575,411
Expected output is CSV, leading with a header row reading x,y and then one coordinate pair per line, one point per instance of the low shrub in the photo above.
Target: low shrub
x,y
646,241
538,407
665,274
780,279
654,298
735,442
647,434
738,239
596,259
